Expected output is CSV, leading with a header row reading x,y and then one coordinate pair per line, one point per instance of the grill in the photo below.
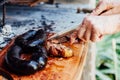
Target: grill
x,y
20,2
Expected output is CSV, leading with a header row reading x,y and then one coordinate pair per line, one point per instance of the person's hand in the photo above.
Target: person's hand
x,y
107,7
94,27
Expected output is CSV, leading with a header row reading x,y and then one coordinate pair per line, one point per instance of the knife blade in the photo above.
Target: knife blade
x,y
62,33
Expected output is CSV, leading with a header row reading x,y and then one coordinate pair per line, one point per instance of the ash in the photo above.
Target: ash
x,y
53,19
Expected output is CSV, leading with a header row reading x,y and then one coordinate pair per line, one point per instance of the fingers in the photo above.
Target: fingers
x,y
101,8
98,9
87,34
73,37
95,35
81,32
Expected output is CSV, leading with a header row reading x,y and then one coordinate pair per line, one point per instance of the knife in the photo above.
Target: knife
x,y
62,33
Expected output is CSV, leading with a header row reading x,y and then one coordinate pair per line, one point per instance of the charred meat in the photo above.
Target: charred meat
x,y
30,42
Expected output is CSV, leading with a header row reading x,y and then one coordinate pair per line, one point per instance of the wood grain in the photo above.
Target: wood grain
x,y
57,68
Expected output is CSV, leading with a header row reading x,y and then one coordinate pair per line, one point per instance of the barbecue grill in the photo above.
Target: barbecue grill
x,y
20,2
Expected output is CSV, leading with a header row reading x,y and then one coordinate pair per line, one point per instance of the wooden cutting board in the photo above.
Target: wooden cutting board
x,y
57,68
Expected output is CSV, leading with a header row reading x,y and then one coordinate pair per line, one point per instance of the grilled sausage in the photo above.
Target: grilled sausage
x,y
37,61
29,42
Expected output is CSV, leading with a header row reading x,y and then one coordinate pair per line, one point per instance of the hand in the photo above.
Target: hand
x,y
107,7
94,27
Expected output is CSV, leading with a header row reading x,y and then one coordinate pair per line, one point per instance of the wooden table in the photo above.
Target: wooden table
x,y
57,68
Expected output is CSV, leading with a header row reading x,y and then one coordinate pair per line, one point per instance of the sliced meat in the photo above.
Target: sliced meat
x,y
59,50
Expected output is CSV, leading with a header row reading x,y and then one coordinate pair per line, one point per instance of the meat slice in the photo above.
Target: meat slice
x,y
59,50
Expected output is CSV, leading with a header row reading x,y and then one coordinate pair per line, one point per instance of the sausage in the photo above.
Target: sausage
x,y
37,61
37,41
23,39
40,57
31,40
